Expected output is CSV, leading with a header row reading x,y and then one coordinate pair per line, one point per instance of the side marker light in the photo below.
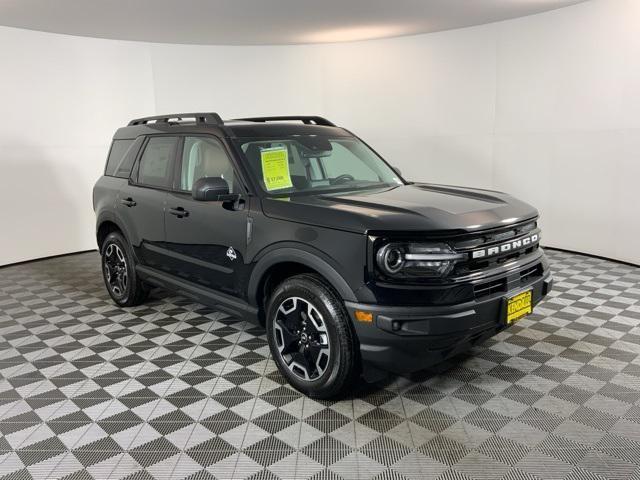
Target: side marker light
x,y
366,317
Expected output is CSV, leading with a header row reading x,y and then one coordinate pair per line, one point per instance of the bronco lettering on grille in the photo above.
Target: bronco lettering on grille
x,y
506,247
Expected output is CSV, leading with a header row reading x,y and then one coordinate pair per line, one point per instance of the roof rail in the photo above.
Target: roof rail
x,y
207,118
307,119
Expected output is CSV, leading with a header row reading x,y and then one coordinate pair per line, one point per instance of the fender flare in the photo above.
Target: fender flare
x,y
304,257
107,216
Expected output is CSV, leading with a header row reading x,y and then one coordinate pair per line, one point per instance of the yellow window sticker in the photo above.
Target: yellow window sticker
x,y
275,168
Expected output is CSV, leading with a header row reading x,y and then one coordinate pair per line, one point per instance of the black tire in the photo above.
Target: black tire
x,y
122,282
331,373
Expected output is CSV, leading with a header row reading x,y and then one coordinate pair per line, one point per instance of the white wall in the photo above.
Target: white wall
x,y
546,107
61,99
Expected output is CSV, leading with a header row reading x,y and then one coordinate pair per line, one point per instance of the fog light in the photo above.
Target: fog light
x,y
366,317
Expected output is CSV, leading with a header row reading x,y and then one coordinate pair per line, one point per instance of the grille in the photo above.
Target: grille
x,y
492,287
531,273
489,288
474,266
491,239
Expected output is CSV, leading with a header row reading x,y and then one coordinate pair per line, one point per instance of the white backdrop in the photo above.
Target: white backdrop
x,y
546,107
60,99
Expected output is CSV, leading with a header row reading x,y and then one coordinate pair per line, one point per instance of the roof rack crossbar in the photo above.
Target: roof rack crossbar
x,y
208,118
307,119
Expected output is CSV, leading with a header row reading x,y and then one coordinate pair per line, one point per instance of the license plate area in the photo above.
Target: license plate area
x,y
518,306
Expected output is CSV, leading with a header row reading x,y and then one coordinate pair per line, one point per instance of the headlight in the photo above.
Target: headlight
x,y
416,259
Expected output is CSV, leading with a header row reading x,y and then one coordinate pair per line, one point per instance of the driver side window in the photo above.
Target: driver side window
x,y
204,157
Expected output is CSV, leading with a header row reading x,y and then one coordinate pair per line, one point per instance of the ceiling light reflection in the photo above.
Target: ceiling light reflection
x,y
352,34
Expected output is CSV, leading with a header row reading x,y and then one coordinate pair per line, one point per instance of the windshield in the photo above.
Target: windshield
x,y
313,163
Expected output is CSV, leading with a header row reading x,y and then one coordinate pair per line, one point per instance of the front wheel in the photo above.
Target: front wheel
x,y
119,272
310,337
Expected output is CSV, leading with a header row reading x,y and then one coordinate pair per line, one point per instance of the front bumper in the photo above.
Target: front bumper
x,y
408,339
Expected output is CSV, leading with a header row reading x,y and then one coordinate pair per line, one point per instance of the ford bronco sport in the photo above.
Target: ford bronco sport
x,y
299,226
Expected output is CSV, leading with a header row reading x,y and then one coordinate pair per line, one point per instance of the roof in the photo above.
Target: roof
x,y
244,127
277,129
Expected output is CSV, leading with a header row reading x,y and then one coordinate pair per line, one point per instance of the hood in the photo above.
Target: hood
x,y
405,208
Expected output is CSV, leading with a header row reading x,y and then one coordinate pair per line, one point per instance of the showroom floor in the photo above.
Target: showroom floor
x,y
172,390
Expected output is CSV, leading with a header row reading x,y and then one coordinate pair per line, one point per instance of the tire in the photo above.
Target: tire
x,y
119,272
311,337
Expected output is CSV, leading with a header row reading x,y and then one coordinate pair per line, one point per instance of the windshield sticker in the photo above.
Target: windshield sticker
x,y
275,168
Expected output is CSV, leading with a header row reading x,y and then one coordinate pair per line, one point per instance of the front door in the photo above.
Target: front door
x,y
142,202
206,240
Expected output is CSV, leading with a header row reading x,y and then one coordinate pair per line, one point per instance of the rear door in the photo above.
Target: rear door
x,y
141,204
207,239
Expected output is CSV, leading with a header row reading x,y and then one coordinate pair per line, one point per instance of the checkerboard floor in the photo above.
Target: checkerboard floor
x,y
172,389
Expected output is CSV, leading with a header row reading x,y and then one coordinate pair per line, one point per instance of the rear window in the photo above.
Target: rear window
x,y
120,160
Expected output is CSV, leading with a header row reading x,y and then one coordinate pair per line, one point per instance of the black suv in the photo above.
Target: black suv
x,y
298,225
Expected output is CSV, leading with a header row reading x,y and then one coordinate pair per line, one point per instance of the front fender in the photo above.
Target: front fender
x,y
304,255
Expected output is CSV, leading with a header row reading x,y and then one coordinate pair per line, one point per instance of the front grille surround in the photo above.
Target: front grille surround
x,y
490,239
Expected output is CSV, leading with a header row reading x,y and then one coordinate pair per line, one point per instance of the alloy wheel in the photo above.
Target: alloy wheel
x,y
115,264
302,338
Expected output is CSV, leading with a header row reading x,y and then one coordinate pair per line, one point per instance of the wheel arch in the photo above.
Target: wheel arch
x,y
105,225
281,263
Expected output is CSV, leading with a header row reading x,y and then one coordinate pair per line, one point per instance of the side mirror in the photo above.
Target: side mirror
x,y
397,170
211,189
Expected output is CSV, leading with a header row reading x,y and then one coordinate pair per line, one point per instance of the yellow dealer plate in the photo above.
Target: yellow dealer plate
x,y
518,306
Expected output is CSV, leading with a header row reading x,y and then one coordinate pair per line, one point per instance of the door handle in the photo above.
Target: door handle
x,y
129,202
179,212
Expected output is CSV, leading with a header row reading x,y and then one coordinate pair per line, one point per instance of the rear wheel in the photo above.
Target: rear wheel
x,y
119,273
310,337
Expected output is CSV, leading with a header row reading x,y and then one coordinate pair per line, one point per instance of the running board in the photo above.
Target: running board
x,y
218,300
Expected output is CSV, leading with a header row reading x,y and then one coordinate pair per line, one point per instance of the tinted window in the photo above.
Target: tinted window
x,y
118,151
204,157
157,161
124,169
